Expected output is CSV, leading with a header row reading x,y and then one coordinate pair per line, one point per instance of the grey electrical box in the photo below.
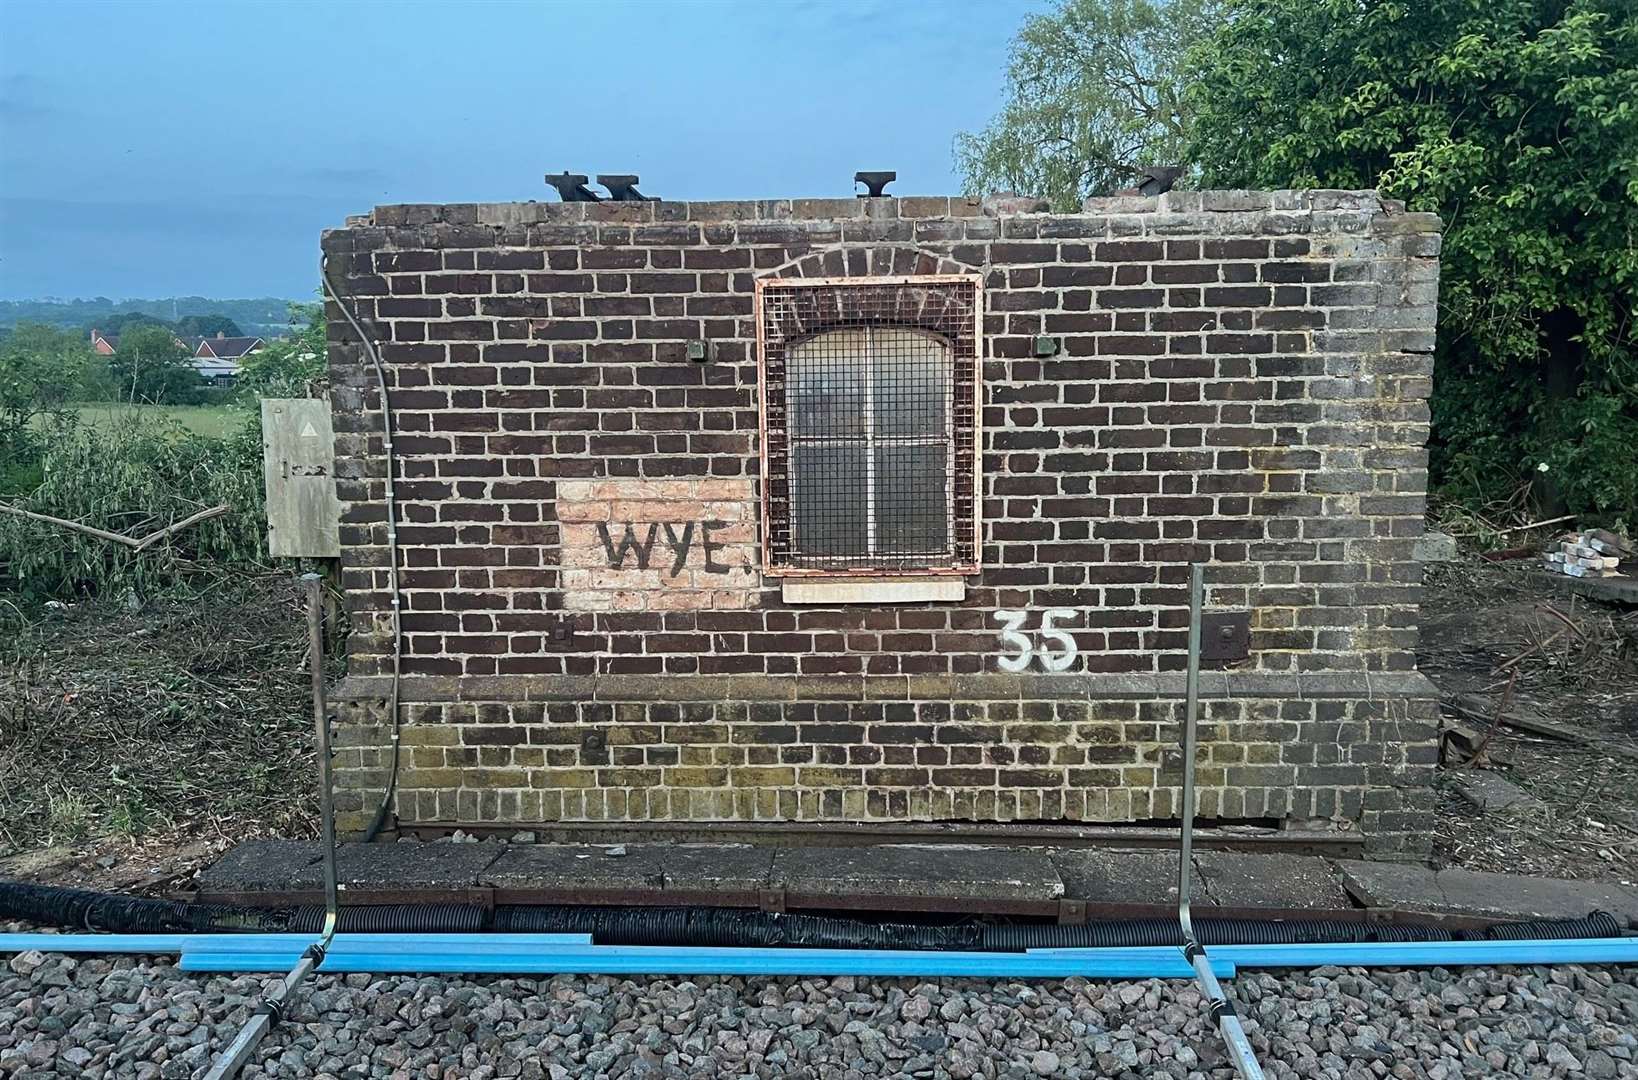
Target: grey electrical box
x,y
298,464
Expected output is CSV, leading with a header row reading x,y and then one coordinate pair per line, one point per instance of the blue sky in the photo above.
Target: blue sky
x,y
161,147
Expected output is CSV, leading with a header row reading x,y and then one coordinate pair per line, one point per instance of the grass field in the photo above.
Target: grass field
x,y
215,421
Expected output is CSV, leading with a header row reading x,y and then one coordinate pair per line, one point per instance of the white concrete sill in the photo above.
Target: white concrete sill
x,y
874,590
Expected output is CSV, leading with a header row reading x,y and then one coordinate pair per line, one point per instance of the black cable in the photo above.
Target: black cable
x,y
725,927
370,350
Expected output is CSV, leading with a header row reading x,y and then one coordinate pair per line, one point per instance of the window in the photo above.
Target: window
x,y
870,416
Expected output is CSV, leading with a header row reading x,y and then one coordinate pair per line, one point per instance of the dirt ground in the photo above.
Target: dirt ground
x,y
1577,667
138,745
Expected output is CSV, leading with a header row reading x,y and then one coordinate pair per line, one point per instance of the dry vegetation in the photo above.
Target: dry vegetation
x,y
185,721
1572,663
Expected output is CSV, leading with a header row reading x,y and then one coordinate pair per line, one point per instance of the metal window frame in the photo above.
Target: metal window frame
x,y
957,568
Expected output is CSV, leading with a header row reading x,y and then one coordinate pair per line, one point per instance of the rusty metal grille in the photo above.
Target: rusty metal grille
x,y
870,424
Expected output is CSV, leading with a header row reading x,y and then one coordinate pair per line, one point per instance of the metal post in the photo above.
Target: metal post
x,y
271,1008
321,734
1220,1007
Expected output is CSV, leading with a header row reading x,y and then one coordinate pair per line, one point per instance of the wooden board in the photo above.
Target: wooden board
x,y
298,466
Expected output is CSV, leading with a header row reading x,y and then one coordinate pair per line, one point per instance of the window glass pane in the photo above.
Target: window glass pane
x,y
912,499
825,384
828,499
911,384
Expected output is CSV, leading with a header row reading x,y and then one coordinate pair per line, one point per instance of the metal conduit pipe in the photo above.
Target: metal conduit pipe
x,y
1218,1003
271,1008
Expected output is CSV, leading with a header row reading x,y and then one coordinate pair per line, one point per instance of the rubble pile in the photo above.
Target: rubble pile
x,y
1591,553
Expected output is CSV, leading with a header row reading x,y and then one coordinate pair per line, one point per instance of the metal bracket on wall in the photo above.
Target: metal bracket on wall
x,y
1225,636
623,187
1071,912
571,187
876,182
561,634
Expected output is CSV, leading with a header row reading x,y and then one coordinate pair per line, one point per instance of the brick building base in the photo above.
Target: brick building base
x,y
1313,751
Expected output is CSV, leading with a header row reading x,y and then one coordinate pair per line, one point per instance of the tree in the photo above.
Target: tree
x,y
121,321
207,326
1517,122
285,366
1094,94
42,370
151,365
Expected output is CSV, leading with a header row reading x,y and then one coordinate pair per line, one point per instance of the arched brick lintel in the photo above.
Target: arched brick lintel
x,y
870,260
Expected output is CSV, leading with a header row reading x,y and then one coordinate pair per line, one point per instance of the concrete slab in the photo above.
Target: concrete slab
x,y
1621,590
1104,876
1228,879
1234,879
920,877
585,869
1470,892
291,865
1488,791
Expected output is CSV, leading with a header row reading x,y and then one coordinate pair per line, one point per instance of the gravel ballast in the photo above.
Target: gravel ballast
x,y
141,1017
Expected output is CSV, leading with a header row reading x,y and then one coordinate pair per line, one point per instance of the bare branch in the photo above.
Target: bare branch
x,y
135,544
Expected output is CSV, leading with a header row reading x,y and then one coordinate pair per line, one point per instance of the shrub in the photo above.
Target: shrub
x,y
134,477
1518,123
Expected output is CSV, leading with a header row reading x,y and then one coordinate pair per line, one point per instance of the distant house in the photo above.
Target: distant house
x,y
218,358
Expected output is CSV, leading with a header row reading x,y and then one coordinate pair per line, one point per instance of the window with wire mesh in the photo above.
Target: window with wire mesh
x,y
870,398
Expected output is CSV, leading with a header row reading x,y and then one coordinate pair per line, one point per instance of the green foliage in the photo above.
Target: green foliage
x,y
1516,121
121,321
286,366
1094,94
149,364
207,326
133,478
68,818
41,370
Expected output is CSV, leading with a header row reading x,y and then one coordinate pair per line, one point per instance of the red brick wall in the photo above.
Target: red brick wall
x,y
1240,385
1242,380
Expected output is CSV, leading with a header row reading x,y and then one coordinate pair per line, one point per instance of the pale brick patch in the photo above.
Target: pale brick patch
x,y
658,545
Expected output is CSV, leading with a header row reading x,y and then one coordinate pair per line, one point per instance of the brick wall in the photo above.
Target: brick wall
x,y
1242,379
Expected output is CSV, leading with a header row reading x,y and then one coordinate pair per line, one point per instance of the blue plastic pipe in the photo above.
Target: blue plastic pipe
x,y
1621,950
1162,962
573,954
138,944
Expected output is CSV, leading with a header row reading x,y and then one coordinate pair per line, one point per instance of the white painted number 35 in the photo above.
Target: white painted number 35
x,y
1059,658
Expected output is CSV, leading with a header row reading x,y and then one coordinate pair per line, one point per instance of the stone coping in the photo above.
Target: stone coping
x,y
423,689
886,207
